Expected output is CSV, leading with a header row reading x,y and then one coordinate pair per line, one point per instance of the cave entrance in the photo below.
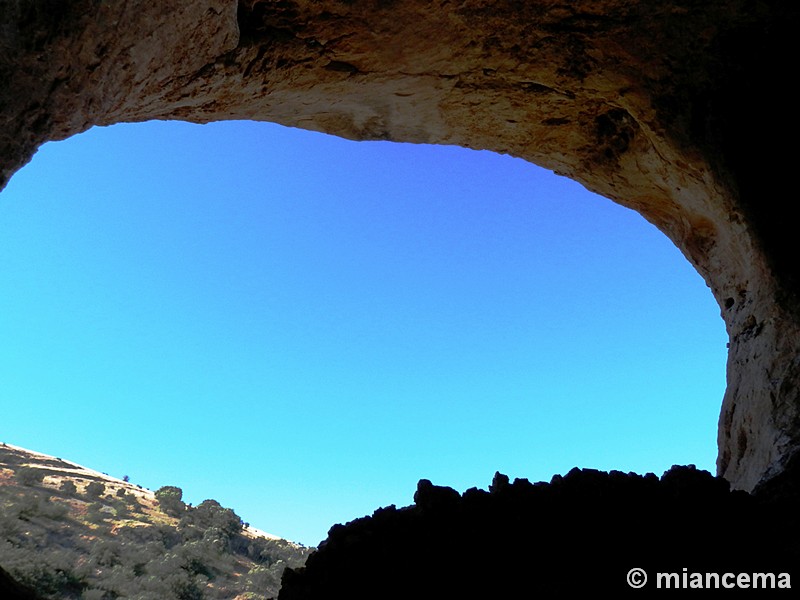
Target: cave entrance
x,y
223,307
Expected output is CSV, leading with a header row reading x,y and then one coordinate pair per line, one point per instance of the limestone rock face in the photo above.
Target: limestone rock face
x,y
675,109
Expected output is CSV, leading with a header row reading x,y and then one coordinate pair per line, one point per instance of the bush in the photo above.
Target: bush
x,y
260,579
170,499
210,514
95,489
29,476
95,513
69,487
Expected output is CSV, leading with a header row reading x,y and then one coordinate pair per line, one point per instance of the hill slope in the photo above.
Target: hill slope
x,y
71,532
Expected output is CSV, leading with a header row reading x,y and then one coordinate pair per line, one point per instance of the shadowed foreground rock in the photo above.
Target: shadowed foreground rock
x,y
11,590
582,532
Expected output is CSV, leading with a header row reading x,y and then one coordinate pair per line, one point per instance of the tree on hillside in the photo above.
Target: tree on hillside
x,y
170,498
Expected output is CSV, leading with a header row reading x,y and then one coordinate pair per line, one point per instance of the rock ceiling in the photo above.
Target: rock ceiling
x,y
679,110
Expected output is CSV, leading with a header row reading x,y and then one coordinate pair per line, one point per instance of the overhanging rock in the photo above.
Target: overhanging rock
x,y
678,110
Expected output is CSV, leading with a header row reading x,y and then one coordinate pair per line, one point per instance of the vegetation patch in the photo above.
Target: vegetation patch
x,y
77,536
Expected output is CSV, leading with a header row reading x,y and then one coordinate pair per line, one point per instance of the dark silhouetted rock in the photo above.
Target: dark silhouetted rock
x,y
11,590
579,533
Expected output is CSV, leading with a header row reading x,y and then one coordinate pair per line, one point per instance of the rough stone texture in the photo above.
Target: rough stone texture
x,y
675,109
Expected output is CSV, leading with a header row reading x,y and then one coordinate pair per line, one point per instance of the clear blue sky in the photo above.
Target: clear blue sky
x,y
301,327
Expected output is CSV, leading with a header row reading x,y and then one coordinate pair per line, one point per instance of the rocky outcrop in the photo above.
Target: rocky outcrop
x,y
675,109
580,533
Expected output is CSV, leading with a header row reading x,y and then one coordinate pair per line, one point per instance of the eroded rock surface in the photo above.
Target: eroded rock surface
x,y
675,109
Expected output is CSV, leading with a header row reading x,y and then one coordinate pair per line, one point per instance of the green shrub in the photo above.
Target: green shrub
x,y
170,499
69,487
29,475
95,489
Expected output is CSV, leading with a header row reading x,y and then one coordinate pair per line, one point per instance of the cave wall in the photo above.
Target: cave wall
x,y
675,109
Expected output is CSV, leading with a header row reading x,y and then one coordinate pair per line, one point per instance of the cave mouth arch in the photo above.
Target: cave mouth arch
x,y
517,218
643,104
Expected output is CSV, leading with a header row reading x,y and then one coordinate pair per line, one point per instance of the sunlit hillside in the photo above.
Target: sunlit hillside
x,y
71,532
